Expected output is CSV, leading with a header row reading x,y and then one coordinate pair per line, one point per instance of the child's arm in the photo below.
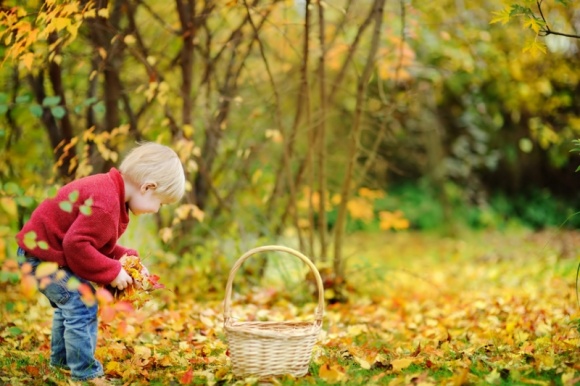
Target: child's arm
x,y
85,248
120,251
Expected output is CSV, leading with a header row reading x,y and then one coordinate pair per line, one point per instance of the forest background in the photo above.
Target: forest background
x,y
408,148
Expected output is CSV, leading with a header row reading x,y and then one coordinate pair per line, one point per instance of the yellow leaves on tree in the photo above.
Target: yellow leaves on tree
x,y
23,29
395,63
182,213
361,208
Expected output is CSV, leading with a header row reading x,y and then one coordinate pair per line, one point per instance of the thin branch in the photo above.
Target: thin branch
x,y
322,137
155,16
547,31
347,184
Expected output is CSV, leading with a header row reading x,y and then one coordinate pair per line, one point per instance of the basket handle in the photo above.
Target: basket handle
x,y
228,297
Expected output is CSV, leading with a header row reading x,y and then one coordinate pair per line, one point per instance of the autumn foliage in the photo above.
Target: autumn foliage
x,y
293,124
488,309
143,282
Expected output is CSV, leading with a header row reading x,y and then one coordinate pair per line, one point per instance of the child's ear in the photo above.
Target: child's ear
x,y
148,186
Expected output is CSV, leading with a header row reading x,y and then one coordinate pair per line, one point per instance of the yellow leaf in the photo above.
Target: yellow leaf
x,y
371,194
27,59
275,135
166,234
521,336
143,352
197,213
129,39
492,377
104,13
402,363
329,293
568,378
534,47
9,206
546,361
393,220
114,367
61,23
166,361
360,208
362,362
206,321
333,373
533,24
357,329
89,14
183,211
502,16
45,269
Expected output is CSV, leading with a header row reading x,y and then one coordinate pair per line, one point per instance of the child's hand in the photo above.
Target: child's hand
x,y
122,281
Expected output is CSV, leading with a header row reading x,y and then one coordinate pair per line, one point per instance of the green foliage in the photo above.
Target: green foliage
x,y
418,202
52,103
423,207
537,209
576,149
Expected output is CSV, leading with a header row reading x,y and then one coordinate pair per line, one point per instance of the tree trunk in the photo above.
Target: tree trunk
x,y
353,148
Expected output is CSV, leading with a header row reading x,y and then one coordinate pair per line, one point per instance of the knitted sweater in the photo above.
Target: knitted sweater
x,y
84,240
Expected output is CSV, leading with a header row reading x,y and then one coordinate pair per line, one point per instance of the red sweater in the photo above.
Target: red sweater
x,y
86,244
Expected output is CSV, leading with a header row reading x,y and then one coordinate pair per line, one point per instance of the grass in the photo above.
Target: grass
x,y
483,308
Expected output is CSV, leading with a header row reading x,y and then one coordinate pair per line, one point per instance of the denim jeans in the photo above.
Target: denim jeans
x,y
74,326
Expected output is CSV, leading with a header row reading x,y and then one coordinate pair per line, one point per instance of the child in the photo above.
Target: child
x,y
84,244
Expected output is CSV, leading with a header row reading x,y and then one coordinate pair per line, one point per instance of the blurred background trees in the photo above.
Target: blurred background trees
x,y
304,120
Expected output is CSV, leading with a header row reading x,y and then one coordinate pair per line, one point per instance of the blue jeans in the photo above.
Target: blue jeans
x,y
74,325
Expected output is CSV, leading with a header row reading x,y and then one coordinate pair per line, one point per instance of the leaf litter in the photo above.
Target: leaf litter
x,y
438,311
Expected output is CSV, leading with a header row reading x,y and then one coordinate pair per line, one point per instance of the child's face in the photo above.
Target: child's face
x,y
145,201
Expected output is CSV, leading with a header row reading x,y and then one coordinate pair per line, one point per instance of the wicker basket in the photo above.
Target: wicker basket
x,y
271,348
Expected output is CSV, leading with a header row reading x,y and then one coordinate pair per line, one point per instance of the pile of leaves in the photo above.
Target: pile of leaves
x,y
139,292
497,310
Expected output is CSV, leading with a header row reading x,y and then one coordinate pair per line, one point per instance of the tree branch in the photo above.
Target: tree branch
x,y
547,31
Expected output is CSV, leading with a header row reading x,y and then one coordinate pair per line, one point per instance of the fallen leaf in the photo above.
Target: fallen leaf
x,y
334,373
402,363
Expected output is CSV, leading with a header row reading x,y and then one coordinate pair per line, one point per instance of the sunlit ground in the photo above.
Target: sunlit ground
x,y
484,308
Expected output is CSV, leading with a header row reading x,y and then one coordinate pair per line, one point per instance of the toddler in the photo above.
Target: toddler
x,y
82,239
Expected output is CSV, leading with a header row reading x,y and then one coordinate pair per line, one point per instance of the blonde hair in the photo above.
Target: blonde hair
x,y
152,162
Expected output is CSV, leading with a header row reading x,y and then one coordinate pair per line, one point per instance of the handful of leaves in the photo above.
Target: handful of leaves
x,y
143,283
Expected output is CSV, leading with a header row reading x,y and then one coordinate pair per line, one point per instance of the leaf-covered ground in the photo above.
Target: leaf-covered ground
x,y
424,310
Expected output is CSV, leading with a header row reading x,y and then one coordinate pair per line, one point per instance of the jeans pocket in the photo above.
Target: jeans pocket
x,y
57,290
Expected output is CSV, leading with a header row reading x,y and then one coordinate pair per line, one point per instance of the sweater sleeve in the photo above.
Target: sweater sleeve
x,y
83,243
120,251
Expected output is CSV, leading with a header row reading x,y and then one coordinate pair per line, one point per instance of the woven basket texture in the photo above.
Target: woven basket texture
x,y
271,348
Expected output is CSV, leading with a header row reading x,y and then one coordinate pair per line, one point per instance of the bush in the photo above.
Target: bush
x,y
536,209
